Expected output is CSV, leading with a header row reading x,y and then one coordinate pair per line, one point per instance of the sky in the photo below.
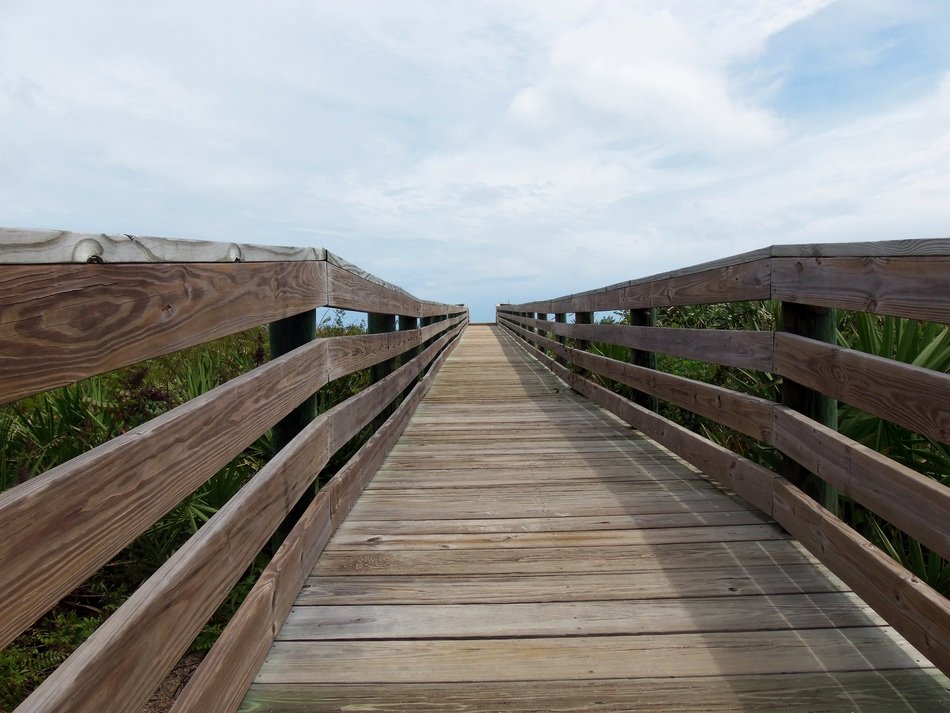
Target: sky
x,y
480,151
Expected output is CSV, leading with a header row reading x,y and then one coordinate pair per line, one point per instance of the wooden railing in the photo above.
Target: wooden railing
x,y
908,279
74,306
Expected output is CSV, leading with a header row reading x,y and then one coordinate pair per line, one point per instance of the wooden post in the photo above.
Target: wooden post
x,y
582,318
543,316
643,318
561,318
407,323
285,335
817,323
376,324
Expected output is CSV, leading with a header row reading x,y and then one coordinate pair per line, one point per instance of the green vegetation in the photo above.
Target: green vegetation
x,y
922,344
43,431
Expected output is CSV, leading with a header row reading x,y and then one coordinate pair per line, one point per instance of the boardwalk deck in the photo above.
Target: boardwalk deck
x,y
522,549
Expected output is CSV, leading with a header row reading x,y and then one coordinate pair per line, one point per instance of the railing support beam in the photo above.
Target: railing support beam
x,y
561,318
376,324
639,357
285,335
817,323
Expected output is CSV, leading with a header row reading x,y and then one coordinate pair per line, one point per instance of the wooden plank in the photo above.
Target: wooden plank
x,y
23,246
912,287
600,618
560,539
726,580
916,504
631,521
915,610
742,349
738,278
905,394
866,691
62,323
745,413
664,557
583,657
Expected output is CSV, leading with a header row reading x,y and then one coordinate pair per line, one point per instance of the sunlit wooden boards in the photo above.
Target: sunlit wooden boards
x,y
521,549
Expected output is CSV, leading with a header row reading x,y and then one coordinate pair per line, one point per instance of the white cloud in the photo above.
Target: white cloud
x,y
469,151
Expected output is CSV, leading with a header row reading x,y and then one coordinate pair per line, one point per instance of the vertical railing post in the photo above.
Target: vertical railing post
x,y
284,336
817,323
640,357
582,344
377,323
407,323
560,318
539,330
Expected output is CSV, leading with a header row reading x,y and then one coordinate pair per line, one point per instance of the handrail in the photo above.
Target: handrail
x,y
79,305
908,279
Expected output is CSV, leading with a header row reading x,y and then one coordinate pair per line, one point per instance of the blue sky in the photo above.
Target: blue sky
x,y
480,151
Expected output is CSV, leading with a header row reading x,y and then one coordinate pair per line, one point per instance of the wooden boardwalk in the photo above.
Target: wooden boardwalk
x,y
522,549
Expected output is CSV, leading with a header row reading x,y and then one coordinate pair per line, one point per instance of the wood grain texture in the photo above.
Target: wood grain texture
x,y
97,503
832,692
915,503
353,291
587,657
907,395
912,287
224,675
117,668
604,618
745,413
743,277
542,578
915,610
44,247
721,579
62,323
742,349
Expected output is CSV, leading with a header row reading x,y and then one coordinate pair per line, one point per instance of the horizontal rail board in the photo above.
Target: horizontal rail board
x,y
916,504
229,668
44,247
63,323
912,287
348,290
738,348
730,283
745,413
907,395
117,668
97,503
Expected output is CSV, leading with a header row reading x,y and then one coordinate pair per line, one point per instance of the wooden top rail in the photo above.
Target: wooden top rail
x,y
78,305
908,279
903,278
144,297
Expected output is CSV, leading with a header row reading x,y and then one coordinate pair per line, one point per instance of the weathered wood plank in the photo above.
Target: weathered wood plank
x,y
743,277
831,692
743,349
560,539
117,667
229,668
907,395
62,323
916,504
723,580
546,560
600,618
24,246
583,657
745,413
912,287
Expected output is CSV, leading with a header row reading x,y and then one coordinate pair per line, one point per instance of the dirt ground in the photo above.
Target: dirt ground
x,y
173,684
